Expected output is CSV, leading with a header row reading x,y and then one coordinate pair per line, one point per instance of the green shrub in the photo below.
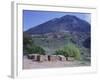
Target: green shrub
x,y
36,50
72,51
61,52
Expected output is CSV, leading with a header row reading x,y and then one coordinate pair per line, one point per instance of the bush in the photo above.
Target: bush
x,y
36,50
72,51
69,51
61,52
29,47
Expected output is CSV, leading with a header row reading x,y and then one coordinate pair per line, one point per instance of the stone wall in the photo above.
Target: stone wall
x,y
38,57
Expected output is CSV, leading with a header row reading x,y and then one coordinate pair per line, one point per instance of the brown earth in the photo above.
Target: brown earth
x,y
29,64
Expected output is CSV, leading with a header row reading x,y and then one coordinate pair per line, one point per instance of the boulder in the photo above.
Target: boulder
x,y
45,57
61,58
52,58
42,58
32,56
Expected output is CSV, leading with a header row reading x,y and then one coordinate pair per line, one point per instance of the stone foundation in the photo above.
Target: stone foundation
x,y
41,58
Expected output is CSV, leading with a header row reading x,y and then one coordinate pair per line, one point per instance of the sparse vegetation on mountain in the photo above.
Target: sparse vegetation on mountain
x,y
87,42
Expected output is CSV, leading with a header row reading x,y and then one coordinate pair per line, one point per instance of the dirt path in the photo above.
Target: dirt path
x,y
29,64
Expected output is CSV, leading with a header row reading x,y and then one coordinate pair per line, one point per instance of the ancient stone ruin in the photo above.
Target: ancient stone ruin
x,y
62,58
41,58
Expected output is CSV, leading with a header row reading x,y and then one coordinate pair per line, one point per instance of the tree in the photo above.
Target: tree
x,y
27,42
36,50
29,47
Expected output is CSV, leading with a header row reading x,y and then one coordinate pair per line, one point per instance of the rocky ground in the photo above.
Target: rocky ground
x,y
29,64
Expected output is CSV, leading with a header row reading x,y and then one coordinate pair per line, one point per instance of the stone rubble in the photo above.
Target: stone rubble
x,y
41,58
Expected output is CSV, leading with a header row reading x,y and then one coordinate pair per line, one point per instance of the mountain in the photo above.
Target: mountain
x,y
63,24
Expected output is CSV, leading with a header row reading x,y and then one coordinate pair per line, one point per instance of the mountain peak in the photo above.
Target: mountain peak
x,y
64,23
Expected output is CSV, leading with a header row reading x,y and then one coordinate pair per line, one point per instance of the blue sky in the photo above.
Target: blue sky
x,y
33,18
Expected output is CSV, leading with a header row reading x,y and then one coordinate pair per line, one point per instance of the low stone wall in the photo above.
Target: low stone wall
x,y
32,56
42,58
62,58
37,57
52,57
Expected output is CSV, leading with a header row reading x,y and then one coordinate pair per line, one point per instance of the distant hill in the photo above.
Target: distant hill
x,y
67,23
